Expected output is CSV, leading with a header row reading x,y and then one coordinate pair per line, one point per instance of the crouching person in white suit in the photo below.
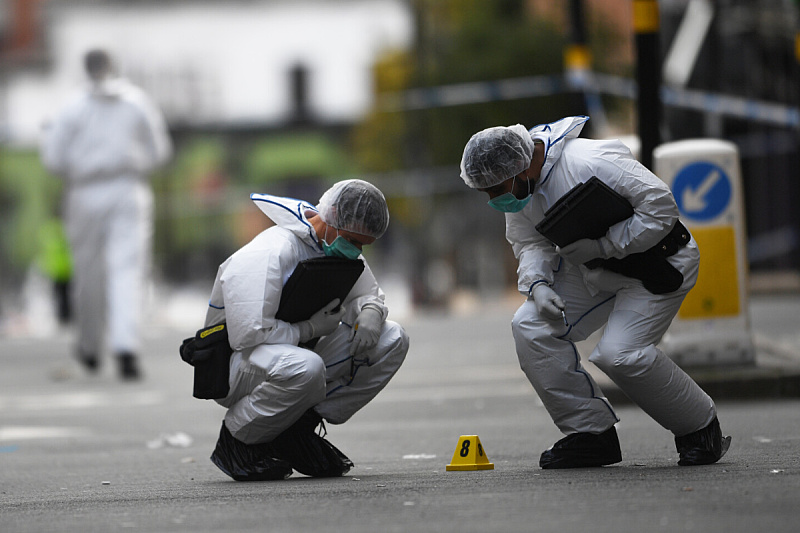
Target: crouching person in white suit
x,y
280,387
629,282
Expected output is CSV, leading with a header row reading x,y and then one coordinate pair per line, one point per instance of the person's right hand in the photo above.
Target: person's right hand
x,y
548,303
322,322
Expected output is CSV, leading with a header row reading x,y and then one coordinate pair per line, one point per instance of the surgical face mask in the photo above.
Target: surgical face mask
x,y
508,203
340,247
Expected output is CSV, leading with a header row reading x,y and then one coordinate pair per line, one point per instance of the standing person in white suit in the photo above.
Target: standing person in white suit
x,y
104,144
524,173
281,388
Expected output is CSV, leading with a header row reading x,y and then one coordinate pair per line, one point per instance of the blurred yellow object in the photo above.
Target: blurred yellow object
x,y
645,16
716,293
54,257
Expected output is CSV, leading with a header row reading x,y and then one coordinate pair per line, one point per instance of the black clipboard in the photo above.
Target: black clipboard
x,y
585,212
314,284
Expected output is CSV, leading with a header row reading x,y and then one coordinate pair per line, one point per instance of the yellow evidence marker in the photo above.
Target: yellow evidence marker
x,y
469,455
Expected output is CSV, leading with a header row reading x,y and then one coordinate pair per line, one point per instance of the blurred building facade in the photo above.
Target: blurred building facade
x,y
751,51
277,95
259,96
207,63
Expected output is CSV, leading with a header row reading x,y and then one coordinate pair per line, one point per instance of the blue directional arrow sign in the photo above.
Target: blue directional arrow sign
x,y
702,191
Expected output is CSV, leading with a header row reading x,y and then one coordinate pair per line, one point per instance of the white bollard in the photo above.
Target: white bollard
x,y
713,324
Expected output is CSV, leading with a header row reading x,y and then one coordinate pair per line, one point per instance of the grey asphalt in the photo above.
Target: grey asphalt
x,y
88,453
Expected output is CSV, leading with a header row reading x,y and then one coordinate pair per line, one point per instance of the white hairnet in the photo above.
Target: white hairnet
x,y
355,205
495,155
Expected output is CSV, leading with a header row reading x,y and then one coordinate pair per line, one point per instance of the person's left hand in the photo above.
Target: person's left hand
x,y
581,251
366,331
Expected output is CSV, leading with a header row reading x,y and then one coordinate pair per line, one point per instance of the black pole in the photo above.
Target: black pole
x,y
577,60
648,76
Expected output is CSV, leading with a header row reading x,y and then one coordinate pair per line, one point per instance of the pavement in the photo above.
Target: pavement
x,y
772,370
775,368
772,313
88,453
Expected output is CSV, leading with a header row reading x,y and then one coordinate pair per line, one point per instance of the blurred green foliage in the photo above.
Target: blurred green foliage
x,y
294,155
29,199
203,211
190,198
462,41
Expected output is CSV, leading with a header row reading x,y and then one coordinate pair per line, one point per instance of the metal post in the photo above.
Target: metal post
x,y
577,58
648,76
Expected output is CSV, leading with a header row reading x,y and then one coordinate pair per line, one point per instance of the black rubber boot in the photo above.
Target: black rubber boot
x,y
703,447
583,450
307,452
247,462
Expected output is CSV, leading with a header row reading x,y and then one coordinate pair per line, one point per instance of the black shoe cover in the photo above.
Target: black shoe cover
x,y
583,450
89,361
247,462
703,447
307,452
128,367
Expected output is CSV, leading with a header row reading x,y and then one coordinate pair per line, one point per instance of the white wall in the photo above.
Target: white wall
x,y
220,63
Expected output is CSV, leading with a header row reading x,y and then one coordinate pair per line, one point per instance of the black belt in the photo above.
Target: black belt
x,y
677,238
651,266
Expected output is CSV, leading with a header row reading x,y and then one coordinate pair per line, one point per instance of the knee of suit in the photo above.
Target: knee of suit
x,y
307,377
398,338
528,330
620,357
520,323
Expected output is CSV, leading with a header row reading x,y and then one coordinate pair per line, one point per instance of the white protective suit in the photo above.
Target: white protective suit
x,y
272,380
104,144
635,319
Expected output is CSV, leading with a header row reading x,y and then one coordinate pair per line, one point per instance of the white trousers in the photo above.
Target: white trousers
x,y
272,385
110,229
635,320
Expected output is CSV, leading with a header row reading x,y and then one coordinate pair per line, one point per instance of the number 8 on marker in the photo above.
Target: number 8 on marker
x,y
465,448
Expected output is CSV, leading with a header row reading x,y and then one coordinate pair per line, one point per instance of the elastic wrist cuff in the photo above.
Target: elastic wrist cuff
x,y
373,307
534,284
606,248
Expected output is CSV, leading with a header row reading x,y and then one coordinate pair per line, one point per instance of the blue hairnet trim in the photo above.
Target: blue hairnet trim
x,y
549,144
216,307
302,205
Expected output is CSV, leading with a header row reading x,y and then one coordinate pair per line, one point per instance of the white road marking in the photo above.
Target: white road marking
x,y
80,400
17,433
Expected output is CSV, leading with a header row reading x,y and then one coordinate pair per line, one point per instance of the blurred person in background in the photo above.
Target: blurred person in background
x,y
104,144
524,173
55,261
283,383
